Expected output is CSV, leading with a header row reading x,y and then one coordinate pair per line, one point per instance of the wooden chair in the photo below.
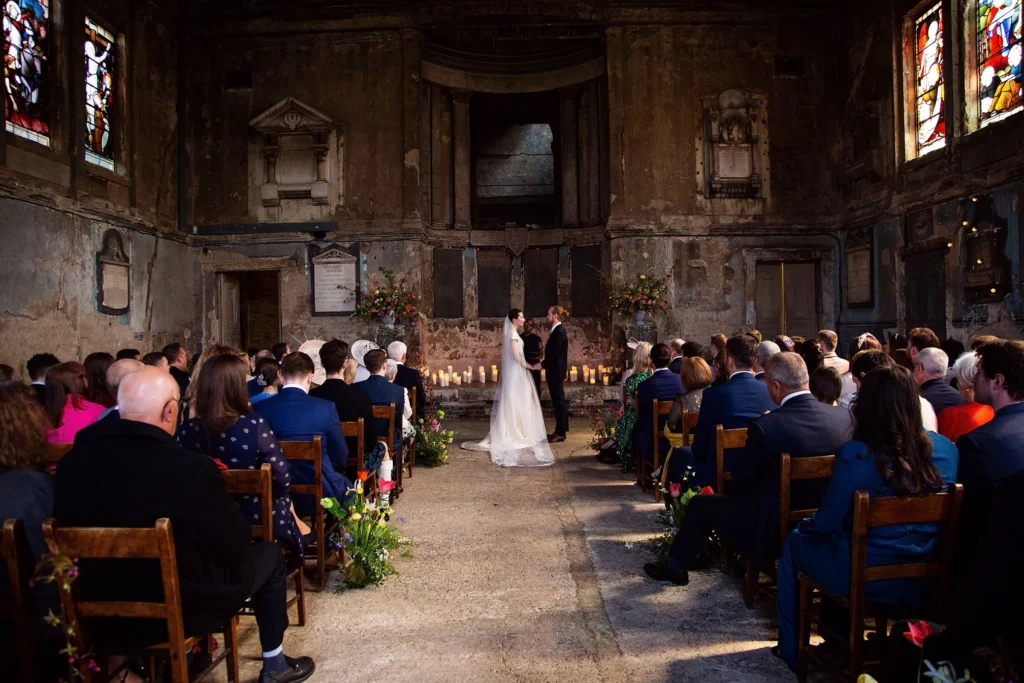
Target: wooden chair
x,y
411,460
356,429
791,469
310,451
725,439
15,553
56,451
658,408
388,413
689,425
155,543
937,508
259,483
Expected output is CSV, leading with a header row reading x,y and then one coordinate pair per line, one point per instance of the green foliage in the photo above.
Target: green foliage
x,y
645,294
368,538
388,298
432,441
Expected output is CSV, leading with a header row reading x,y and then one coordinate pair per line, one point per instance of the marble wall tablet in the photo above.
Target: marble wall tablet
x,y
335,279
113,275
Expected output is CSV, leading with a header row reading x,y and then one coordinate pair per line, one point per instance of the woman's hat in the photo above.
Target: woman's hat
x,y
360,348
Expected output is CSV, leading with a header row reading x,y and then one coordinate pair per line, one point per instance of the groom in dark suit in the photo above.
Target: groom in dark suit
x,y
556,364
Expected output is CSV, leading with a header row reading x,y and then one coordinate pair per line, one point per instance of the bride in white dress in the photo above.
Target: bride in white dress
x,y
518,437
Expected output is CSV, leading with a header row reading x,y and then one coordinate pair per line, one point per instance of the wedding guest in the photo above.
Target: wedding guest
x,y
826,385
267,377
919,339
891,454
756,334
188,397
410,378
956,421
133,474
96,366
253,386
178,360
930,375
37,368
953,349
6,373
812,356
384,393
765,350
798,343
866,361
719,369
390,374
827,341
359,350
863,342
902,358
717,344
894,341
532,351
784,343
226,430
661,385
983,339
132,354
642,369
117,371
280,350
692,349
156,359
676,345
66,406
351,368
695,376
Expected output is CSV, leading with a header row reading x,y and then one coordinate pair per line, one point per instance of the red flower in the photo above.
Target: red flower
x,y
919,630
408,308
362,475
386,485
675,490
412,296
706,490
389,299
644,297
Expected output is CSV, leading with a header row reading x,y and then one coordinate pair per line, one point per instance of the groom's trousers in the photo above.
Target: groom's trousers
x,y
560,405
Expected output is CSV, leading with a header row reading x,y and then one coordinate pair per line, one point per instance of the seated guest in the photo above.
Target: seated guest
x,y
294,415
956,421
383,393
827,341
676,345
894,342
692,349
717,344
930,375
624,428
765,350
66,405
131,354
96,366
280,350
227,431
268,379
188,397
719,371
253,386
134,473
866,361
902,358
178,360
732,405
661,385
26,490
890,455
756,334
747,519
359,351
919,339
117,371
826,385
983,339
864,342
350,401
410,378
37,367
349,370
798,343
156,359
953,350
813,358
695,376
390,373
6,373
784,343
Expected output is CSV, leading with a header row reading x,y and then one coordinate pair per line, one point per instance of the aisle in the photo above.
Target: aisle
x,y
524,575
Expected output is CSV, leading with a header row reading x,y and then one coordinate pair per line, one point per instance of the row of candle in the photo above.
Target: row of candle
x,y
452,377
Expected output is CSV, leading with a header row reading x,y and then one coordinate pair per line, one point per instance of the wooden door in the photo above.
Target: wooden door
x,y
801,299
230,311
768,301
926,291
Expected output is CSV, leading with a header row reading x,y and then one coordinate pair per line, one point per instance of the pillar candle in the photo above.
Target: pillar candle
x,y
483,375
573,375
586,374
604,380
467,377
494,373
433,379
543,375
593,380
458,380
449,370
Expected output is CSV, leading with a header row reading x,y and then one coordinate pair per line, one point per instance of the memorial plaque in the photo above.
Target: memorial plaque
x,y
586,281
860,285
334,279
448,302
113,276
494,283
540,281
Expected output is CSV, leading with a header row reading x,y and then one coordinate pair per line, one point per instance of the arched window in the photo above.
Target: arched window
x,y
931,89
26,69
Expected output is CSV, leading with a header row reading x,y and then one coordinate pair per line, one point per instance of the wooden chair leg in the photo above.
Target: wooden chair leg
x,y
803,640
151,668
300,593
750,584
231,645
321,555
856,641
179,664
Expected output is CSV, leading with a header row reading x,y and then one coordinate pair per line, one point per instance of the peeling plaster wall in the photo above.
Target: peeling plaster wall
x,y
48,292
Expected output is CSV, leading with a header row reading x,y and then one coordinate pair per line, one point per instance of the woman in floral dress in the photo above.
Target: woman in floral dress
x,y
624,429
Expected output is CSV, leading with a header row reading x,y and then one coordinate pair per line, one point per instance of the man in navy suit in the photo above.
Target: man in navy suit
x,y
747,520
930,375
296,416
733,405
662,385
382,393
993,451
37,366
556,365
407,377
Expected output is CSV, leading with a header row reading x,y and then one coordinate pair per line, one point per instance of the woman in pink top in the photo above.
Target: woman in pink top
x,y
66,405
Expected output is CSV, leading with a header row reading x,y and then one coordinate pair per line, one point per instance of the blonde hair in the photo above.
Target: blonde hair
x,y
642,357
562,314
193,383
350,369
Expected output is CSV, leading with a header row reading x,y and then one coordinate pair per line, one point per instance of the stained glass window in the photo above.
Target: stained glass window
x,y
26,43
99,95
999,58
931,91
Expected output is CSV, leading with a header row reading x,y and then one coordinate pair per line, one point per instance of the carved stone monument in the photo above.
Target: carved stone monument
x,y
113,275
334,277
733,145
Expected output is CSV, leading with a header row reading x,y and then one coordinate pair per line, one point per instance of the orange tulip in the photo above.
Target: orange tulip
x,y
362,475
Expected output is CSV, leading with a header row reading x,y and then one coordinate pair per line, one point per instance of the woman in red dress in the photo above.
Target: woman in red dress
x,y
956,421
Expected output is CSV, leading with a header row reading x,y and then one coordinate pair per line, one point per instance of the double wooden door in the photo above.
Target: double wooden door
x,y
787,299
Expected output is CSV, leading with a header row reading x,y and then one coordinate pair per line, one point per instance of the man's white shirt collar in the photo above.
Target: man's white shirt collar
x,y
740,372
295,386
794,395
556,325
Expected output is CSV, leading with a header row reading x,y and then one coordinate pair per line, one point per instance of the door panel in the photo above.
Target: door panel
x,y
230,311
769,299
801,299
926,291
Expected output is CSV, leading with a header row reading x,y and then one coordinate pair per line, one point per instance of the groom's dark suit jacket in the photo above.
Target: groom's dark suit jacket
x,y
556,354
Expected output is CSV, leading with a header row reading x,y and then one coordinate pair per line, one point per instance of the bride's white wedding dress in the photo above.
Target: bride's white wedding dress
x,y
518,437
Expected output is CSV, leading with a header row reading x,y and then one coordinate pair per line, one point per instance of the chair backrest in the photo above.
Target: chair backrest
x,y
724,440
156,543
689,424
56,451
412,400
257,483
936,508
355,429
658,408
798,469
386,413
15,553
306,451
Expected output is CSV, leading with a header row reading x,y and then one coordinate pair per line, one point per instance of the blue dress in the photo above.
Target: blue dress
x,y
246,445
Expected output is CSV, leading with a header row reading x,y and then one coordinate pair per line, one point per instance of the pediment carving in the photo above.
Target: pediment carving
x,y
291,115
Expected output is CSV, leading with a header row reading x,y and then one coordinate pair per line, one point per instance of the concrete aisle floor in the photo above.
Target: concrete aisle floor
x,y
524,575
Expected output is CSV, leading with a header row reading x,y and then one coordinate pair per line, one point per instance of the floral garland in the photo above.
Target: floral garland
x,y
62,571
645,294
389,298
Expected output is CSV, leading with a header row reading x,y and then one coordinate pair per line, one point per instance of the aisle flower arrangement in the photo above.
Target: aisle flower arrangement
x,y
365,536
677,500
432,441
387,298
603,422
643,295
62,571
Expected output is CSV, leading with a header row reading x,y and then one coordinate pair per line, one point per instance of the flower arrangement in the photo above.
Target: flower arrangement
x,y
677,500
432,441
603,422
62,571
366,536
643,295
388,299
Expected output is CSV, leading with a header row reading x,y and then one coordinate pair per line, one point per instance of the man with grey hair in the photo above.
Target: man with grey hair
x,y
747,520
676,362
765,350
930,375
407,377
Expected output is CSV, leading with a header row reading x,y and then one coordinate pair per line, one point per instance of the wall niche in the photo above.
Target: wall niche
x,y
734,149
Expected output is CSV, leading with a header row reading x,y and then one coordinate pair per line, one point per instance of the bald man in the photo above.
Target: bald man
x,y
117,371
130,473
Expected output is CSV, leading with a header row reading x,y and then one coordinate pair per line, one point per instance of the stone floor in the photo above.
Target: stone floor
x,y
524,575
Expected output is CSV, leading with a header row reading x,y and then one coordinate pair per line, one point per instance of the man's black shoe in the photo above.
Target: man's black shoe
x,y
661,572
299,669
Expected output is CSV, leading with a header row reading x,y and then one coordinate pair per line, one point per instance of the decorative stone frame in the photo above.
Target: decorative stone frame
x,y
295,128
733,145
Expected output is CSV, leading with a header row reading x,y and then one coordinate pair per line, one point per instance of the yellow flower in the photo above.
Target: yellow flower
x,y
643,277
381,523
356,517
